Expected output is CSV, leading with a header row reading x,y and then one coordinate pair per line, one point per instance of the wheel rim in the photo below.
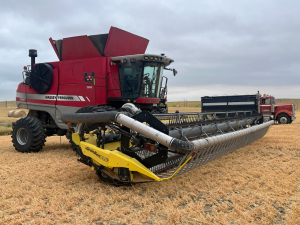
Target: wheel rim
x,y
22,136
283,120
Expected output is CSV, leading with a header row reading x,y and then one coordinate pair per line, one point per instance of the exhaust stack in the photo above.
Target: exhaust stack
x,y
32,55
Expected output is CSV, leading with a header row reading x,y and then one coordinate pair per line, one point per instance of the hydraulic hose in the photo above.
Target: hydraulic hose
x,y
100,117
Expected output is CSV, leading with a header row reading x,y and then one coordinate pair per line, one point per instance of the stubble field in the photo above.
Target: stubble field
x,y
257,184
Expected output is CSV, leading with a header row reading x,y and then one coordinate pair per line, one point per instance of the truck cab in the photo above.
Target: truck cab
x,y
283,113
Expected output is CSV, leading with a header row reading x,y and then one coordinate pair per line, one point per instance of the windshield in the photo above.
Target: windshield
x,y
141,79
152,80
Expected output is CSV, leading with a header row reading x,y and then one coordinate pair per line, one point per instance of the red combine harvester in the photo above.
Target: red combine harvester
x,y
105,70
83,95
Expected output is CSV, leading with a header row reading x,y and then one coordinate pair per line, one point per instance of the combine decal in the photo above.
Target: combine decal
x,y
89,77
77,98
96,153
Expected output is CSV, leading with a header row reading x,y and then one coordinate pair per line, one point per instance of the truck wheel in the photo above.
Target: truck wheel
x,y
28,135
283,119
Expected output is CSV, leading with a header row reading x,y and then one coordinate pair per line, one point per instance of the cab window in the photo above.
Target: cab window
x,y
265,101
273,100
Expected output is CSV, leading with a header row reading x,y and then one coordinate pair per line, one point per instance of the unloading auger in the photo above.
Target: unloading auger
x,y
131,146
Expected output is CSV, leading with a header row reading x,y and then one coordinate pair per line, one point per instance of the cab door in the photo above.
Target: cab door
x,y
265,105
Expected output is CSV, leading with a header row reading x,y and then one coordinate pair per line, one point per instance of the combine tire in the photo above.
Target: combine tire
x,y
28,135
283,119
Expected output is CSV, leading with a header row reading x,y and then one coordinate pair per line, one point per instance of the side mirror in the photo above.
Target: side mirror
x,y
174,72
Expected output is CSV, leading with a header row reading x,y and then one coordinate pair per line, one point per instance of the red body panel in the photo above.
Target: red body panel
x,y
265,108
72,72
283,108
120,42
69,88
78,48
21,89
147,100
80,95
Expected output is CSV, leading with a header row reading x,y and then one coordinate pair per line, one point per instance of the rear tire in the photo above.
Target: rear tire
x,y
28,135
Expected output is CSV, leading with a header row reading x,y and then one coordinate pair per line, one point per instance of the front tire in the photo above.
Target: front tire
x,y
28,135
283,119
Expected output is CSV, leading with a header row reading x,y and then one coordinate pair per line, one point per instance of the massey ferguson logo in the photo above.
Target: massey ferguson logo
x,y
89,76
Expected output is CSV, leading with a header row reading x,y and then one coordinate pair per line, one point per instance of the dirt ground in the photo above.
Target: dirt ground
x,y
257,184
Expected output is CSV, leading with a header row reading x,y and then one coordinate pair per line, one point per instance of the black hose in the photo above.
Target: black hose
x,y
99,117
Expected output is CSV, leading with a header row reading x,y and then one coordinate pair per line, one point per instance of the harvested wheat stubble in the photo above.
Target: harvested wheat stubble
x,y
257,184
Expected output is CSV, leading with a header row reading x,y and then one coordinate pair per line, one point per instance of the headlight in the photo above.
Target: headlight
x,y
155,58
146,57
151,58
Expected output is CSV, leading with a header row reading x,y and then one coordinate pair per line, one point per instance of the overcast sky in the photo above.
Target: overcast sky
x,y
219,47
